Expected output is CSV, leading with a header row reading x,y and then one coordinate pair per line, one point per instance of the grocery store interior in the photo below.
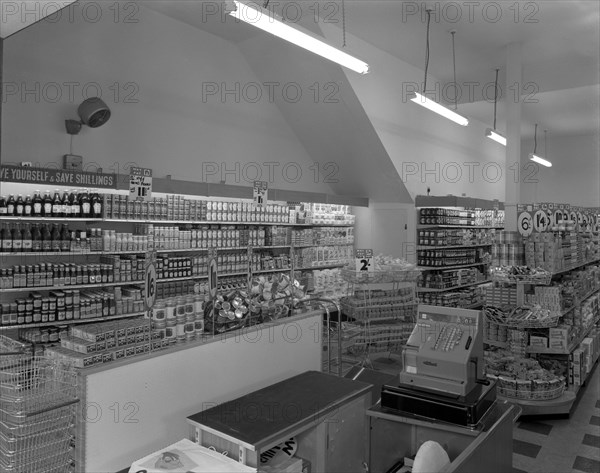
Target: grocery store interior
x,y
299,236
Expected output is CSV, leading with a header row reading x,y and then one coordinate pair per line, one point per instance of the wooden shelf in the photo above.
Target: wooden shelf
x,y
323,266
563,271
471,227
50,219
453,288
73,321
572,346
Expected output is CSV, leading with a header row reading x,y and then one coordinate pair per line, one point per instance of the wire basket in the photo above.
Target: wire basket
x,y
380,276
521,319
505,274
545,394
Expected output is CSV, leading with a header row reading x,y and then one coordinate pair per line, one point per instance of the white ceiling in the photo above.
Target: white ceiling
x,y
560,45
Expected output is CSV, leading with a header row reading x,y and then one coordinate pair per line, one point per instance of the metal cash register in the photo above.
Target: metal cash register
x,y
443,368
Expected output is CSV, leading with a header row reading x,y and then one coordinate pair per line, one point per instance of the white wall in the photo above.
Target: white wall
x,y
159,118
427,150
574,177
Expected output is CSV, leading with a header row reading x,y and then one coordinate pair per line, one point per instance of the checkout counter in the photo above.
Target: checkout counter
x,y
443,396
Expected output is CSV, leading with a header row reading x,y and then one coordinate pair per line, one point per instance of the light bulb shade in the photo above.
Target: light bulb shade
x,y
539,160
494,135
93,112
267,21
437,108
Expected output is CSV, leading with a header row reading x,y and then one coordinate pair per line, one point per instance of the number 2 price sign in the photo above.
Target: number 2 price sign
x,y
364,260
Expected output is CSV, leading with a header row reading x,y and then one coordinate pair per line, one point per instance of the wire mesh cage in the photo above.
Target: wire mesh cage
x,y
37,411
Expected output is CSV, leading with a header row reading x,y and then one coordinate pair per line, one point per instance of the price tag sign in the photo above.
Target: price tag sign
x,y
140,183
212,278
525,224
260,193
150,280
540,221
364,260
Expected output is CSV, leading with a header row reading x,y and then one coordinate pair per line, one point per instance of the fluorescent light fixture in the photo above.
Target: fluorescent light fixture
x,y
437,108
494,135
266,21
542,161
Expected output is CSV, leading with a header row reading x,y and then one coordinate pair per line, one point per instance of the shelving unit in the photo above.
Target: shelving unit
x,y
439,238
563,355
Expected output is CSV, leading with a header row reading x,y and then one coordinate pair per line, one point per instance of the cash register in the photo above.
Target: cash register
x,y
443,369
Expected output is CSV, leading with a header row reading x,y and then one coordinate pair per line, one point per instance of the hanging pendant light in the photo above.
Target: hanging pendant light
x,y
492,133
432,105
534,157
265,20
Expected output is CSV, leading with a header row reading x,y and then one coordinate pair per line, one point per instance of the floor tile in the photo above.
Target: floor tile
x,y
526,448
591,440
586,464
595,420
537,427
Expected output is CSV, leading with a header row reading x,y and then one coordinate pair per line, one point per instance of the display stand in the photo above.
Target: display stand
x,y
486,449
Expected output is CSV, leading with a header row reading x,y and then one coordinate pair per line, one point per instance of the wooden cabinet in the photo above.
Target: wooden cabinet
x,y
326,415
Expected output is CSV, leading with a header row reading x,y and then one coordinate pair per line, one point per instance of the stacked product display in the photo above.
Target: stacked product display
x,y
455,241
543,312
381,307
81,256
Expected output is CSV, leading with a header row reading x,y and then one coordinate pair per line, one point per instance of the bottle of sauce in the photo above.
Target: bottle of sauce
x,y
96,205
55,238
10,205
37,209
65,205
28,207
3,206
46,239
75,205
36,238
19,206
65,238
17,239
47,205
26,240
86,208
57,205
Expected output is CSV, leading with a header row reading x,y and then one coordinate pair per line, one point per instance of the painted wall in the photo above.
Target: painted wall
x,y
427,150
152,73
574,177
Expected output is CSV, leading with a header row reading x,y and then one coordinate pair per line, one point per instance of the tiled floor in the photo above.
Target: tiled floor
x,y
549,445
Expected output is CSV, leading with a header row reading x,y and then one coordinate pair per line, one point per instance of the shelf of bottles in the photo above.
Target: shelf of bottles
x,y
46,240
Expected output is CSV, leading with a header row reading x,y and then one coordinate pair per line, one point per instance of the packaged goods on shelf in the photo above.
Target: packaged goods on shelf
x,y
327,283
450,278
330,214
455,236
465,298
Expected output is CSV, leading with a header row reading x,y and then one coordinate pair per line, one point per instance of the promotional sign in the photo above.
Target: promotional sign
x,y
260,193
364,260
525,219
62,177
150,280
140,183
540,221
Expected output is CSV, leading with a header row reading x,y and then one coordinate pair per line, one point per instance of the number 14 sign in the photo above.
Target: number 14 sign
x,y
364,260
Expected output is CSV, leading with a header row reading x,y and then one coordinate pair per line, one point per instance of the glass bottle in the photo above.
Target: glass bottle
x,y
28,207
47,205
17,239
96,202
19,204
6,239
65,238
36,238
86,209
57,205
38,205
55,237
3,206
65,205
46,238
26,240
75,205
10,205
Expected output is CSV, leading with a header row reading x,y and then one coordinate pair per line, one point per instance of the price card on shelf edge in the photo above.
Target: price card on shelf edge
x,y
140,183
540,221
364,260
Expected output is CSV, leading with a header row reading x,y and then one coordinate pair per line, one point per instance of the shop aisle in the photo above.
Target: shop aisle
x,y
562,445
